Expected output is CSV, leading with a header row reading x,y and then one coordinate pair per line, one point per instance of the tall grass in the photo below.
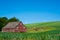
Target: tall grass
x,y
49,35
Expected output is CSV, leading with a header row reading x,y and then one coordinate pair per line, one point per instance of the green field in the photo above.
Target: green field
x,y
43,24
49,35
42,27
35,31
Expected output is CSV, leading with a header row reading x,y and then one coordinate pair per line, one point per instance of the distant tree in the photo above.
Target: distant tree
x,y
14,19
5,18
3,22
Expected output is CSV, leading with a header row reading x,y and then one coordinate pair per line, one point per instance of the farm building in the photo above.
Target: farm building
x,y
14,27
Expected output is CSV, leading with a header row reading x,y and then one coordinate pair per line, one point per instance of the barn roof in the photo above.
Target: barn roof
x,y
11,25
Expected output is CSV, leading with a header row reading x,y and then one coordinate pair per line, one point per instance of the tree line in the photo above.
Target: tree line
x,y
5,20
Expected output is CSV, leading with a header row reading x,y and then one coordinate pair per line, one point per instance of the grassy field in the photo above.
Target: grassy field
x,y
36,31
42,27
49,35
43,24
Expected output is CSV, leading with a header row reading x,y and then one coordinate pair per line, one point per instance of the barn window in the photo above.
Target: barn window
x,y
17,27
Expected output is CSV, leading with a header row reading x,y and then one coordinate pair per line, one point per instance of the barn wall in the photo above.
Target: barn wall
x,y
7,30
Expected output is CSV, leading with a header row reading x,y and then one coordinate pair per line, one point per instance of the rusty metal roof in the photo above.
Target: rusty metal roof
x,y
11,25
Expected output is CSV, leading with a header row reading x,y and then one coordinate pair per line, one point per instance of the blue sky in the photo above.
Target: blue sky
x,y
31,11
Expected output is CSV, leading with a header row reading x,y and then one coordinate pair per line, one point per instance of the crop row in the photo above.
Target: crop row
x,y
51,35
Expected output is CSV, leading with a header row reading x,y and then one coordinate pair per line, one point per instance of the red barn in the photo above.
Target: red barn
x,y
14,27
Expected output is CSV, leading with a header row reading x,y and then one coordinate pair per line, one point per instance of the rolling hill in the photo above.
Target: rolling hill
x,y
42,27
